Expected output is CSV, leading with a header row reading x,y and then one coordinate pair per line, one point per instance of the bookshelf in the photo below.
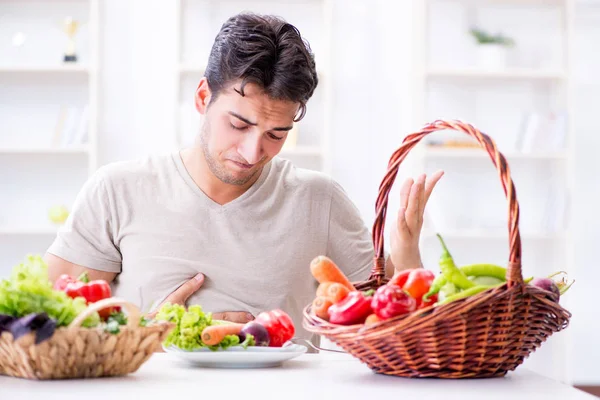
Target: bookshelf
x,y
525,105
199,21
48,109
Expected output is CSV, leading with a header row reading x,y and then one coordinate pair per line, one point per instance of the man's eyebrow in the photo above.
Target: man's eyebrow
x,y
242,118
281,128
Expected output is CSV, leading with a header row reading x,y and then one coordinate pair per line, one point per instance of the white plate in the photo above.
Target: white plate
x,y
237,356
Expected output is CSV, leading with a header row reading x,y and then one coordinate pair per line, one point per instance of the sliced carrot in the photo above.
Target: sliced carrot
x,y
372,319
325,270
336,292
320,306
323,288
214,334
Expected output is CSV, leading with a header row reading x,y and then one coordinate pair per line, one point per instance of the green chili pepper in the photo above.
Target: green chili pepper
x,y
465,293
435,287
476,270
492,270
451,271
485,280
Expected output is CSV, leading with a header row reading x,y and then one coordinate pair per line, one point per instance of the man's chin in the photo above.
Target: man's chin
x,y
238,178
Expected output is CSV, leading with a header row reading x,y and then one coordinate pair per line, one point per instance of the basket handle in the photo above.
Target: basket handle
x,y
513,272
133,313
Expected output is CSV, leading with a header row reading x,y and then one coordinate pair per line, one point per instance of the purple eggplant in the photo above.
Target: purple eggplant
x,y
5,322
41,324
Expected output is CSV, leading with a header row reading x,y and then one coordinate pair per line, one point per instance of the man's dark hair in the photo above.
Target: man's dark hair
x,y
264,50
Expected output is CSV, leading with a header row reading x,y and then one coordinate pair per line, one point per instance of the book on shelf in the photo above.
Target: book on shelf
x,y
72,126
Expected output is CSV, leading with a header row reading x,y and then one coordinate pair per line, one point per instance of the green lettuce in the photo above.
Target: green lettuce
x,y
189,326
29,290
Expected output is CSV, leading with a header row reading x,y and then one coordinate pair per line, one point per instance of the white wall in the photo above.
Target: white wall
x,y
372,112
585,216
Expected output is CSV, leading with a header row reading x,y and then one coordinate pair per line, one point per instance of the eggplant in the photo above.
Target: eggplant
x,y
41,324
5,322
260,333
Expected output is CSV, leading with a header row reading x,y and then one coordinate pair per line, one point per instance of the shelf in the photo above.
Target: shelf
x,y
45,230
517,73
460,152
45,150
490,234
515,2
302,151
45,69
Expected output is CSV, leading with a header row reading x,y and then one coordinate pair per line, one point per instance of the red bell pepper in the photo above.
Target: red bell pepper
x,y
390,301
353,309
426,303
278,324
91,291
401,277
416,282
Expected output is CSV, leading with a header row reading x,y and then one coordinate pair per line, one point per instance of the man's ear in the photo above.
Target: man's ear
x,y
202,96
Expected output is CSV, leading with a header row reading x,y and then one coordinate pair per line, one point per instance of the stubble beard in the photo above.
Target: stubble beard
x,y
215,167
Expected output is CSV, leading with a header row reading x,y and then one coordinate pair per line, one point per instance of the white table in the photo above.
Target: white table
x,y
311,377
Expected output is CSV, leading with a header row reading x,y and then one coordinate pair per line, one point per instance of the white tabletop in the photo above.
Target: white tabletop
x,y
311,376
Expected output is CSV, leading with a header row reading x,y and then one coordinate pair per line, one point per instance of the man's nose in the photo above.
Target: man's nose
x,y
251,148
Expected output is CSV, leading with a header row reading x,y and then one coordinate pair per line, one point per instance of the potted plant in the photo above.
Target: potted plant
x,y
492,50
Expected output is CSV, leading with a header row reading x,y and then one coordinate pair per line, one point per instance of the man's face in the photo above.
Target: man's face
x,y
242,133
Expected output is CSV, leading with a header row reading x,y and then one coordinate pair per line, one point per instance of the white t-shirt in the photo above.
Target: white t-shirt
x,y
148,221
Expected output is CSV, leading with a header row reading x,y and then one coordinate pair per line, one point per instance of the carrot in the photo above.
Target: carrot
x,y
372,319
336,292
325,270
323,287
320,306
214,334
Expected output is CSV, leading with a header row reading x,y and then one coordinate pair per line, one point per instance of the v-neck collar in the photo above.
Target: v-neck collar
x,y
185,175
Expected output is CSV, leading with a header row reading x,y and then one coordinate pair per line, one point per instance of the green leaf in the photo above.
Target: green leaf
x,y
119,317
113,327
29,290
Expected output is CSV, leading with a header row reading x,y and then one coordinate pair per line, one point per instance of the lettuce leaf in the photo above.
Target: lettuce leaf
x,y
189,326
28,290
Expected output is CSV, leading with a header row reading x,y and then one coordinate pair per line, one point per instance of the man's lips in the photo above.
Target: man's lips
x,y
242,165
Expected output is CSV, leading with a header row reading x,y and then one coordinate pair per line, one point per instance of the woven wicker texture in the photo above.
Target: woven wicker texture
x,y
484,335
76,352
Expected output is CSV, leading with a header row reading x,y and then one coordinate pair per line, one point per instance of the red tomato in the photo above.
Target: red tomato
x,y
278,324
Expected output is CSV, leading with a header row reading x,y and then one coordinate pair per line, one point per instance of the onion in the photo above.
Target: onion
x,y
548,285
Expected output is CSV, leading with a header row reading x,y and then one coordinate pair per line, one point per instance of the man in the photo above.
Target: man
x,y
226,224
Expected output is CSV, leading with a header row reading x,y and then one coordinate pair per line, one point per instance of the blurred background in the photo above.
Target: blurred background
x,y
87,82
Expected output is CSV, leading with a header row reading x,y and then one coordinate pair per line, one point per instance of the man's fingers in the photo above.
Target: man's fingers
x,y
405,192
414,203
431,182
240,317
183,292
402,227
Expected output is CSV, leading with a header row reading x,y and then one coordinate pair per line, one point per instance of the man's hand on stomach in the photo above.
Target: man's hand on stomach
x,y
183,293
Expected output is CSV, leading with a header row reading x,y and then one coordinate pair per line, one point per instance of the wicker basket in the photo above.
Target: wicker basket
x,y
485,335
76,352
